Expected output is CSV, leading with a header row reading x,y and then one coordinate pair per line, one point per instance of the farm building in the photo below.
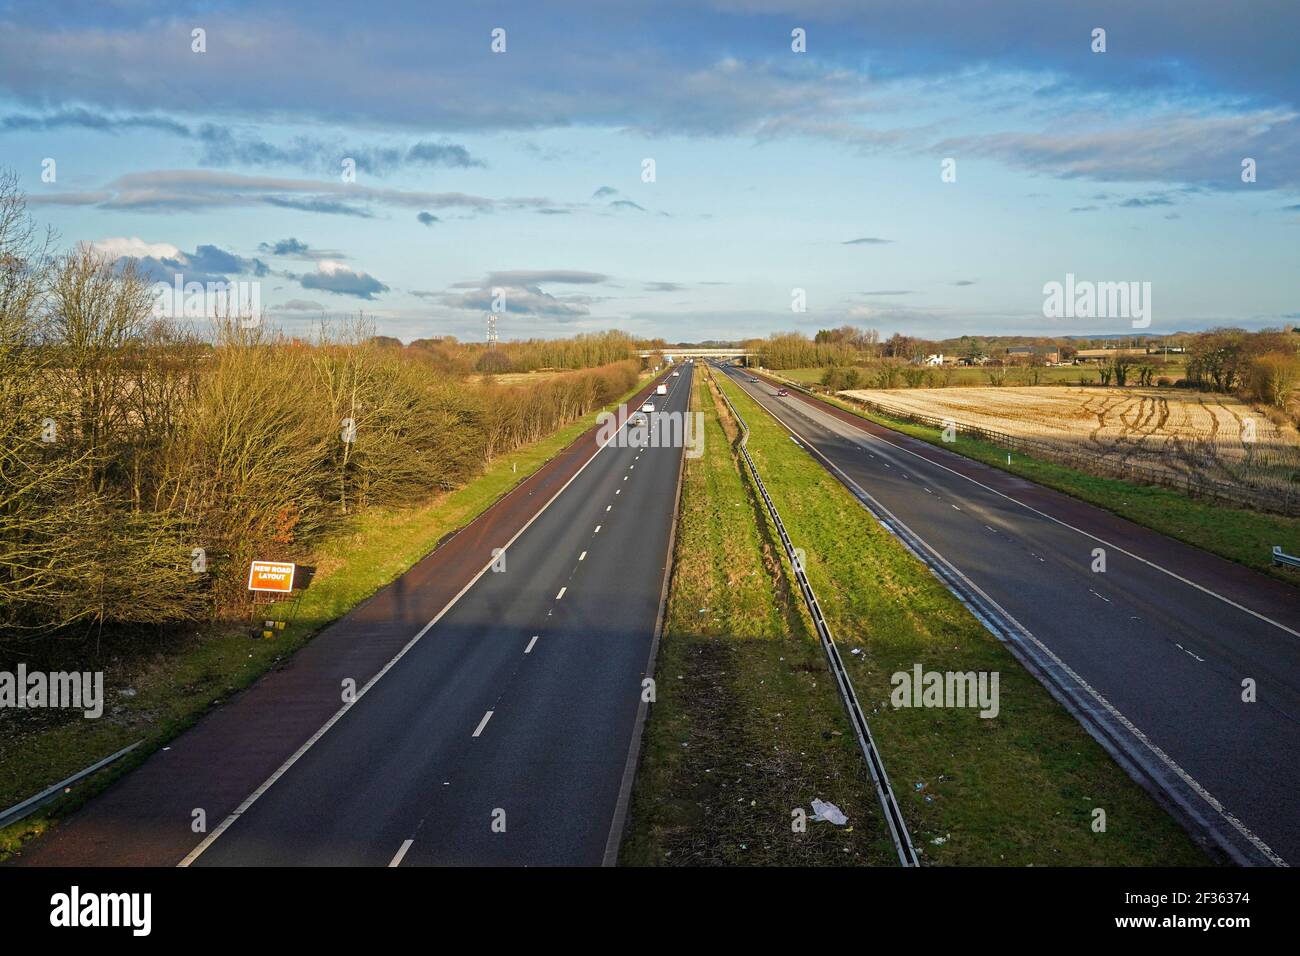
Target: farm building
x,y
1033,353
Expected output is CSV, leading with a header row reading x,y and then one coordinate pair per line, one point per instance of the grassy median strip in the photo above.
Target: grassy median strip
x,y
172,679
1237,534
1020,788
747,725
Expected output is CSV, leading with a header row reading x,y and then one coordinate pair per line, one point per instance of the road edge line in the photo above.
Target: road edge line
x,y
270,781
1018,639
614,842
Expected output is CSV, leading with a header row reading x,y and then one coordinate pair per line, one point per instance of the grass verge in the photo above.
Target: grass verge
x,y
1018,789
747,725
165,683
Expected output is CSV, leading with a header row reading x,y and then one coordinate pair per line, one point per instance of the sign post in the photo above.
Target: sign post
x,y
273,581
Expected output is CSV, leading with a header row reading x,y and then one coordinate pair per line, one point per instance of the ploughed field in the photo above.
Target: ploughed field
x,y
1190,436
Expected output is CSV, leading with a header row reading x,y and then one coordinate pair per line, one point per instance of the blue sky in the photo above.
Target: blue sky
x,y
522,170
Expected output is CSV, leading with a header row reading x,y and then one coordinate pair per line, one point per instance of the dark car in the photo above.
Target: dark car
x,y
782,392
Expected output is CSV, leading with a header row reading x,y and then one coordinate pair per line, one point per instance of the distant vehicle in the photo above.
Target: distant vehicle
x,y
662,389
782,392
638,419
648,407
753,380
677,373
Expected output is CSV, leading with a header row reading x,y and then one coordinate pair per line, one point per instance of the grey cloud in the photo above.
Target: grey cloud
x,y
78,118
518,301
326,206
160,190
285,247
1181,148
427,218
299,305
343,281
519,277
221,147
866,241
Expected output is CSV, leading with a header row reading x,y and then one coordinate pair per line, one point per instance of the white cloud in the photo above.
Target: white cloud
x,y
135,248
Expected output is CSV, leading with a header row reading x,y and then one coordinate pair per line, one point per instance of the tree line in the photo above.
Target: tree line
x,y
143,466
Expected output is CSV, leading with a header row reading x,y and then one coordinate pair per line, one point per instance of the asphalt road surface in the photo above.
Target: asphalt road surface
x,y
1164,655
502,736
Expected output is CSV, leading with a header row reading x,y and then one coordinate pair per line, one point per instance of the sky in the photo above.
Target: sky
x,y
684,169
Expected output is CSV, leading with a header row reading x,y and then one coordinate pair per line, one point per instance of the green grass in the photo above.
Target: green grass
x,y
747,725
187,673
1018,789
1238,534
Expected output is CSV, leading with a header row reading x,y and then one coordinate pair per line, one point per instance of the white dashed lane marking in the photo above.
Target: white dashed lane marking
x,y
397,860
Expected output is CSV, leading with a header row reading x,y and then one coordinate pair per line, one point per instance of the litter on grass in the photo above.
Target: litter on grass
x,y
822,810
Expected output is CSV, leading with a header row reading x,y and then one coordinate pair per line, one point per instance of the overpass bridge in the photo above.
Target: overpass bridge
x,y
679,352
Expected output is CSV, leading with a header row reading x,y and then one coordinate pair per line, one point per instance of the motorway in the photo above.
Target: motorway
x,y
496,717
517,708
1151,654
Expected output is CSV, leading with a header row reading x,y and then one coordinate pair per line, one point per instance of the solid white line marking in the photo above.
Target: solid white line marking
x,y
1186,651
1087,534
297,754
583,556
397,860
955,508
561,594
529,648
1106,599
1110,708
482,723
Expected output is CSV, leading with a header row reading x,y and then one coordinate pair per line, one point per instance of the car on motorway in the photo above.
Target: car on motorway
x,y
677,373
636,418
753,380
648,407
782,392
661,389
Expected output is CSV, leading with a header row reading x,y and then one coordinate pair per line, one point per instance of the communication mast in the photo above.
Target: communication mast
x,y
492,330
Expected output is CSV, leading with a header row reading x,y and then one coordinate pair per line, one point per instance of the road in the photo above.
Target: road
x,y
484,697
514,712
1151,654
